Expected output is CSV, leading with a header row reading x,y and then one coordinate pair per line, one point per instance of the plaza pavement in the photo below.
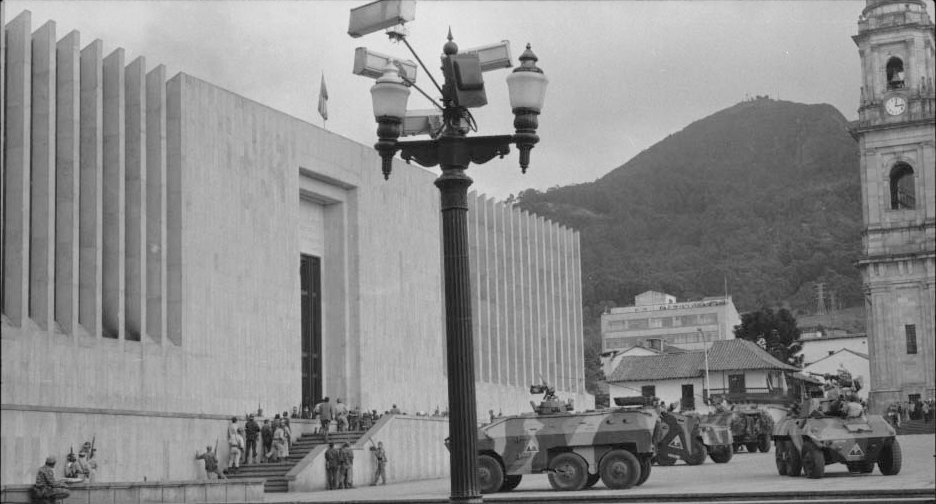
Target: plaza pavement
x,y
746,472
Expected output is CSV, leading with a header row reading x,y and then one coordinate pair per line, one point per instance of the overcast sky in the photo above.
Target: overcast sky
x,y
623,74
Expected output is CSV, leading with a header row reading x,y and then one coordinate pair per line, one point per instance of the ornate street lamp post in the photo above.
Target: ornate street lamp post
x,y
453,150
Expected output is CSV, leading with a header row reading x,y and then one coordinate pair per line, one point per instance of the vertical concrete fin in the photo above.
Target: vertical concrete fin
x,y
42,178
135,210
541,313
67,136
113,225
91,182
2,134
155,251
17,169
577,312
173,269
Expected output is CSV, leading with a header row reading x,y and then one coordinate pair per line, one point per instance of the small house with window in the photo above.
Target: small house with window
x,y
737,369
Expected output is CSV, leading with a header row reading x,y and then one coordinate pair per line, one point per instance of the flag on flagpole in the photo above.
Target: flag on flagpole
x,y
323,100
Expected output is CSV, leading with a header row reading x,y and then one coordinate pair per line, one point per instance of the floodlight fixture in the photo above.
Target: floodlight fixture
x,y
422,122
372,64
381,14
492,56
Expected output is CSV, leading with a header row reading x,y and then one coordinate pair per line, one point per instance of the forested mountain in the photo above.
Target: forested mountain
x,y
764,195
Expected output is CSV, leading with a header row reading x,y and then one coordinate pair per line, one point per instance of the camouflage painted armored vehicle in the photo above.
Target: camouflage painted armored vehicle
x,y
716,435
825,430
574,449
691,438
751,428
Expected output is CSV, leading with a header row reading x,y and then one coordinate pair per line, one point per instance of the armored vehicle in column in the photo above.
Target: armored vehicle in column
x,y
575,449
751,428
820,431
691,438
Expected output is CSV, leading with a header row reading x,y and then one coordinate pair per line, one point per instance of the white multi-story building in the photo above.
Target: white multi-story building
x,y
691,325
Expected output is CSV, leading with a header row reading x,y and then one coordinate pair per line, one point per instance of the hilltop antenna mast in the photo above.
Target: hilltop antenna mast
x,y
820,299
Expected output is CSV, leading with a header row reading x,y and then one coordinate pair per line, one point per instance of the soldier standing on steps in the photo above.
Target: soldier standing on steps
x,y
331,467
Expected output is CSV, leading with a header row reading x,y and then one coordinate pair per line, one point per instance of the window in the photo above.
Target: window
x,y
902,192
648,391
910,329
637,324
895,73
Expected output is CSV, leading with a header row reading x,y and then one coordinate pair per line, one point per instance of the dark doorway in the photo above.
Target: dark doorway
x,y
688,397
736,384
310,285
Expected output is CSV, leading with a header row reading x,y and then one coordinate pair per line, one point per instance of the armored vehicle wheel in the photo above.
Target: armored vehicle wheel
x,y
510,482
890,459
813,461
721,454
490,474
763,444
794,462
645,465
619,469
751,447
592,479
698,453
780,455
569,472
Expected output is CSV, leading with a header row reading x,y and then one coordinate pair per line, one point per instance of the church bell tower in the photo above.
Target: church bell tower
x,y
895,132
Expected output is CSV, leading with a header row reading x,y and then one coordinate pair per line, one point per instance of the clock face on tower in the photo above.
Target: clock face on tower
x,y
895,105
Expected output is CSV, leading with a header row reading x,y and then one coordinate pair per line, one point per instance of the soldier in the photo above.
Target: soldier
x,y
331,467
341,413
266,435
251,430
46,487
71,468
354,419
346,467
211,463
325,412
236,444
381,471
86,468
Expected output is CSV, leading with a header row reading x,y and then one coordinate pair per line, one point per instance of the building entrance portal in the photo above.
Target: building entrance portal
x,y
310,272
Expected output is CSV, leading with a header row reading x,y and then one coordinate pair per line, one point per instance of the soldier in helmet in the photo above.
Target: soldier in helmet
x,y
71,468
86,468
46,487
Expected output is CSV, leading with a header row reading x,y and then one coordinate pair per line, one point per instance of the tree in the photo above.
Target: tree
x,y
776,332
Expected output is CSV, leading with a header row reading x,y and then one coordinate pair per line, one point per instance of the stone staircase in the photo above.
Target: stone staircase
x,y
274,474
917,427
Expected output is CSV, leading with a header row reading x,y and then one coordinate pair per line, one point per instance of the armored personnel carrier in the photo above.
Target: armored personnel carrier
x,y
820,431
692,438
575,449
751,428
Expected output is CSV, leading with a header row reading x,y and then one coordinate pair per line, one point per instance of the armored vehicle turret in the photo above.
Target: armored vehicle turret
x,y
819,431
575,449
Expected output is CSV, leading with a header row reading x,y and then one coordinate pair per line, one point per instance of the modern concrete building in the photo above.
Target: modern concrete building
x,y
895,130
174,253
691,325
